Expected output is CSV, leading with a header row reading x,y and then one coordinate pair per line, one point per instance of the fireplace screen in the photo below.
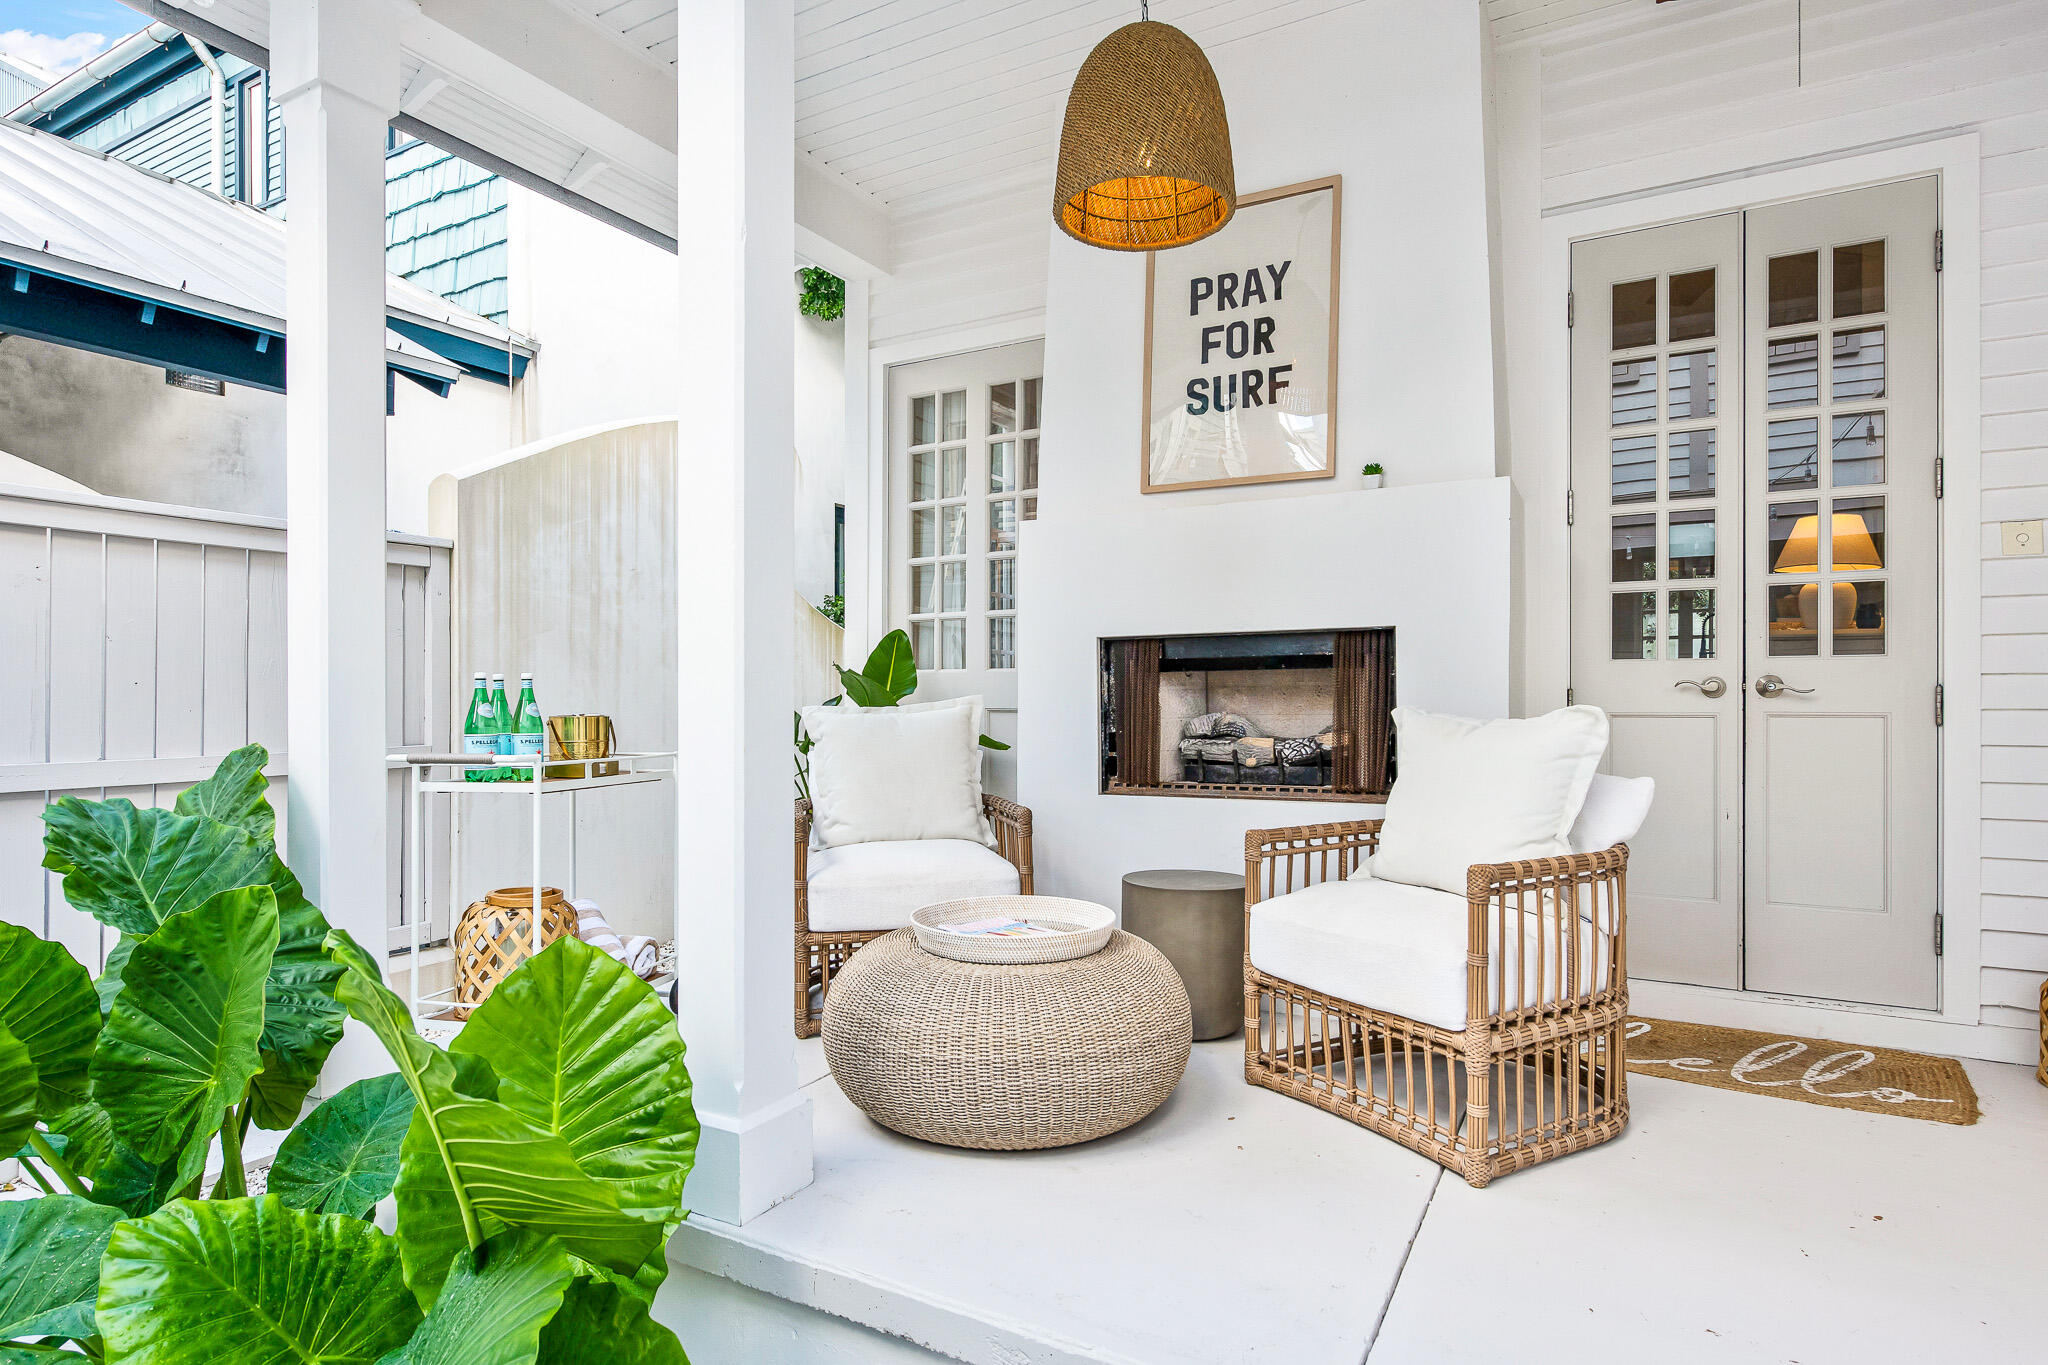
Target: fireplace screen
x,y
1299,715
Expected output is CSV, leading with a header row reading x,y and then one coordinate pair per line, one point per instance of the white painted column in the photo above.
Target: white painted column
x,y
736,573
335,74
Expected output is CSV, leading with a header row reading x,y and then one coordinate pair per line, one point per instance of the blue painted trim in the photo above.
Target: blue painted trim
x,y
149,315
485,362
89,318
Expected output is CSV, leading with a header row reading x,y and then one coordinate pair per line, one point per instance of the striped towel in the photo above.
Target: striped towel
x,y
640,953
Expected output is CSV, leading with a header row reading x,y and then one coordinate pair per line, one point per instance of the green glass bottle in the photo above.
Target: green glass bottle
x,y
503,708
528,728
480,732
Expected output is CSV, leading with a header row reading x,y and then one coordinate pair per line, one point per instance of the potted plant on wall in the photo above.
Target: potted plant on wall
x,y
1374,475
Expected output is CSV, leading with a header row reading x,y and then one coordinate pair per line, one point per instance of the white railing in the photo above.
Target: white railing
x,y
141,642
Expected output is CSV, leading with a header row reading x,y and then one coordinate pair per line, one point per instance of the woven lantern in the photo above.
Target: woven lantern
x,y
1145,149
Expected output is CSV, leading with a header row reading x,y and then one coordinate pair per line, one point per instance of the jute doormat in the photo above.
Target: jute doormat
x,y
1875,1080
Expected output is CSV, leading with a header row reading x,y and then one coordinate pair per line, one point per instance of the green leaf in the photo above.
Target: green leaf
x,y
584,1047
47,1003
344,1157
237,794
492,1315
108,987
134,868
18,1082
892,667
180,1046
496,1163
600,1325
49,1264
84,1135
863,691
988,743
137,1187
302,1021
249,1280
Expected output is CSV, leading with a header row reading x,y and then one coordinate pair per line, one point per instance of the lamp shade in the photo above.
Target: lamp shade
x,y
1145,149
1854,548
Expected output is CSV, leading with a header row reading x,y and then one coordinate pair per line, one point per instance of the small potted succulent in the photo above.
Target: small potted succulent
x,y
1374,475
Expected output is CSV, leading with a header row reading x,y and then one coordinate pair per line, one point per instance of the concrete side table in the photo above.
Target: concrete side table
x,y
1197,920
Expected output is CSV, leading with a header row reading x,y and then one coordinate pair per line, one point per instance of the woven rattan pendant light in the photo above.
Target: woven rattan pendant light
x,y
1145,149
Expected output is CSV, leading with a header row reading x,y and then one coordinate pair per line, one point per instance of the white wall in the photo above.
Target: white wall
x,y
1385,94
1720,88
820,393
429,436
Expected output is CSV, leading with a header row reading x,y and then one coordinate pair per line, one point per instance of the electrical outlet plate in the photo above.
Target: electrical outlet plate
x,y
2019,537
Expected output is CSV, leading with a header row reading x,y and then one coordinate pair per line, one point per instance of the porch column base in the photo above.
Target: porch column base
x,y
748,1165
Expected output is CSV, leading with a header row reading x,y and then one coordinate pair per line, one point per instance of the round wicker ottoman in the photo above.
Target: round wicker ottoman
x,y
1007,1057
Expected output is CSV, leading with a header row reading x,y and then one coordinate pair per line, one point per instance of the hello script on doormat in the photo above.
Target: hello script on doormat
x,y
1875,1080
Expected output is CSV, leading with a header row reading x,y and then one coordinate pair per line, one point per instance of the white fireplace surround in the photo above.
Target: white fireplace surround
x,y
1430,560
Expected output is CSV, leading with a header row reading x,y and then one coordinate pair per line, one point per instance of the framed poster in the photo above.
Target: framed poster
x,y
1241,346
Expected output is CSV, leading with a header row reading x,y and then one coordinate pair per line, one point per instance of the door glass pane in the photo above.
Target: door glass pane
x,y
1002,466
953,540
1795,289
1792,371
1031,509
922,583
953,587
1858,535
1794,538
1030,419
1859,449
923,475
1635,548
1690,630
1692,546
1692,463
1692,305
921,637
924,532
1859,279
1795,453
1692,385
1635,314
1002,642
956,416
1792,619
1002,524
952,643
923,428
1002,408
1030,467
1635,468
1635,625
1632,389
953,472
1859,363
1002,584
1859,618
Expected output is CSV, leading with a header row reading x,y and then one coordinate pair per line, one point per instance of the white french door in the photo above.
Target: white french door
x,y
1754,569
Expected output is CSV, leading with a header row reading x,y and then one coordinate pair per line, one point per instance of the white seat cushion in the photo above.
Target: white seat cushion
x,y
876,886
1400,949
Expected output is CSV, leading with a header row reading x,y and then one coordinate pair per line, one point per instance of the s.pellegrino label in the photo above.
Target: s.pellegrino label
x,y
528,728
480,731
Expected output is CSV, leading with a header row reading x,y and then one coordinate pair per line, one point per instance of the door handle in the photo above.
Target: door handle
x,y
1709,686
1771,685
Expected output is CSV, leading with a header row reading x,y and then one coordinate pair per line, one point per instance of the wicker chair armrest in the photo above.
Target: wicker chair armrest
x,y
1277,861
1565,920
803,840
1012,825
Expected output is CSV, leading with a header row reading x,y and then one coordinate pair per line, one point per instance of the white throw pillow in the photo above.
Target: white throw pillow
x,y
972,704
1615,809
887,773
1494,791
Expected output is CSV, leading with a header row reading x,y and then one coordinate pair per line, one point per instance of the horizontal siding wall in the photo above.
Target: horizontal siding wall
x,y
180,147
1716,87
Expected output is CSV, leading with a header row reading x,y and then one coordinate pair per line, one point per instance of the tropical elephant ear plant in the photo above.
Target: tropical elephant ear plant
x,y
889,675
536,1166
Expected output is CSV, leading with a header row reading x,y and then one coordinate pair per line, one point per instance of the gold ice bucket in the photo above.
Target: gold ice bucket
x,y
581,737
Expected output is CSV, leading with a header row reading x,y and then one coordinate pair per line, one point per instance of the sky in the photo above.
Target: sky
x,y
59,35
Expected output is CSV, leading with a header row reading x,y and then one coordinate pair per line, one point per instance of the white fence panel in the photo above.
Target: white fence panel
x,y
139,644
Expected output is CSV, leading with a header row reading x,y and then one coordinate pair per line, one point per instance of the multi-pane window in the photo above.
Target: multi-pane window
x,y
1012,497
938,529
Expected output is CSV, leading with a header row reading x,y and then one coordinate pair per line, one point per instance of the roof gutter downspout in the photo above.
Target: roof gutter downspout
x,y
219,82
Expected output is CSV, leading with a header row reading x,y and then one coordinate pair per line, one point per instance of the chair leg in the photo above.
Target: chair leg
x,y
1478,1164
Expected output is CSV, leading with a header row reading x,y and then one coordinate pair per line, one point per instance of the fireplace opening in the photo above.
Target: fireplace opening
x,y
1297,715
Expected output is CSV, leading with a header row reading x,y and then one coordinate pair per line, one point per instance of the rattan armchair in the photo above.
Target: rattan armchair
x,y
821,955
1534,1074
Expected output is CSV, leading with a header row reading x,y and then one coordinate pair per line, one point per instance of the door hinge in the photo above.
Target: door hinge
x,y
1937,251
1938,706
1568,696
1571,309
1937,932
1571,507
1937,477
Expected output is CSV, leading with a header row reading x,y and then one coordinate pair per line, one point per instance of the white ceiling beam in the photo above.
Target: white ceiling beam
x,y
838,224
424,87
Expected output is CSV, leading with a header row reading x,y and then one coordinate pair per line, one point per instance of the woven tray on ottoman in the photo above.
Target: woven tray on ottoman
x,y
1007,1057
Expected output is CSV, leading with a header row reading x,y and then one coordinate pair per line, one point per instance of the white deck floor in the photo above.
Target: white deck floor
x,y
1237,1225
